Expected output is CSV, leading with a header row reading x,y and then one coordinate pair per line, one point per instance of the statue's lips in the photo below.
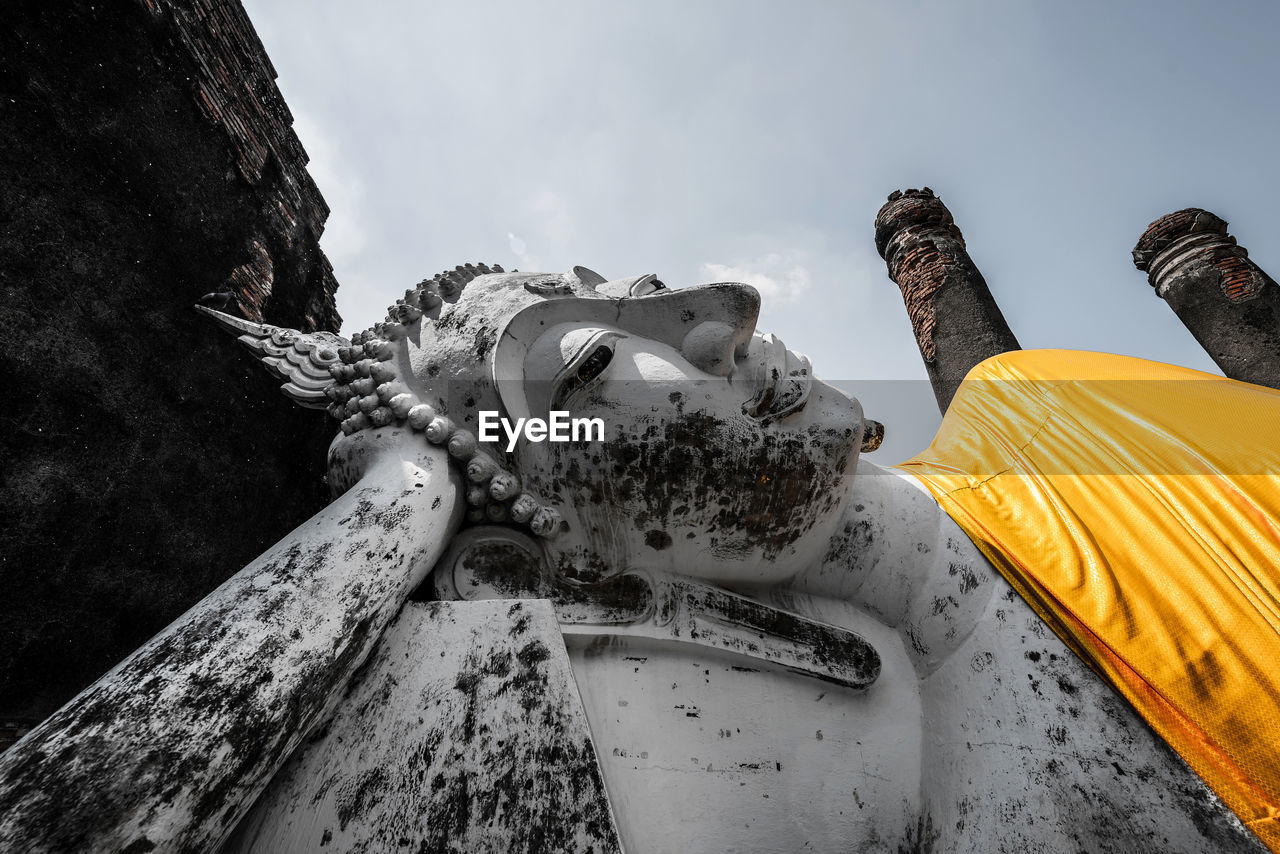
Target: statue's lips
x,y
783,380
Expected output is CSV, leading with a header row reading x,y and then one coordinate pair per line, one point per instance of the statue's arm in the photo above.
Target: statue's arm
x,y
173,745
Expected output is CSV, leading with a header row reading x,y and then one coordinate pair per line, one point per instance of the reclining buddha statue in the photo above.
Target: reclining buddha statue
x,y
705,622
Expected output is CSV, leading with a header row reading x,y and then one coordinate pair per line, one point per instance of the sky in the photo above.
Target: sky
x,y
755,141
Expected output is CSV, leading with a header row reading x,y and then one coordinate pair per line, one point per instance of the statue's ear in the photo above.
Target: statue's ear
x,y
492,562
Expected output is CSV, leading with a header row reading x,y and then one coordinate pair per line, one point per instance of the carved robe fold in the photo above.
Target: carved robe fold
x,y
1136,507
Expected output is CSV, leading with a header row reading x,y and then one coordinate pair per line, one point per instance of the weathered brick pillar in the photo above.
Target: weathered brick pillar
x,y
1230,305
955,319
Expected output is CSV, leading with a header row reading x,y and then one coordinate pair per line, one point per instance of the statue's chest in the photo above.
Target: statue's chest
x,y
706,751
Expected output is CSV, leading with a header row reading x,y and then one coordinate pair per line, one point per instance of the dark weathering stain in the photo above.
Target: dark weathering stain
x,y
483,341
920,838
656,539
969,580
367,514
917,642
540,791
362,794
856,539
749,487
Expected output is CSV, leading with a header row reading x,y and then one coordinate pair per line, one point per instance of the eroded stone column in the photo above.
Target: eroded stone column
x,y
1227,302
954,317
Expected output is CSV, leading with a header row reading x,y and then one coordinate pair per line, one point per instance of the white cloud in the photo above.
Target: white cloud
x,y
547,224
780,278
525,260
552,213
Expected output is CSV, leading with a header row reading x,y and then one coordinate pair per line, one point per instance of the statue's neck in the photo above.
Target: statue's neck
x,y
898,556
884,546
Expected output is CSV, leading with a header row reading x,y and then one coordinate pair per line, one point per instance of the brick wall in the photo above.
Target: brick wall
x,y
146,158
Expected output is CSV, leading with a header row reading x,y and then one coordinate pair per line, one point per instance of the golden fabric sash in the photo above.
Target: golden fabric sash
x,y
1136,507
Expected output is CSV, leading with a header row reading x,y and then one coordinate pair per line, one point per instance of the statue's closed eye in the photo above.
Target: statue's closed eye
x,y
595,364
584,369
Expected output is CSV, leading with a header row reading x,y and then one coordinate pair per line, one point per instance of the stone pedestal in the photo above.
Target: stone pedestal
x,y
953,315
1227,302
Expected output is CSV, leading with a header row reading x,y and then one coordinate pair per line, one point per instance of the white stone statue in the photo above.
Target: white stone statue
x,y
774,645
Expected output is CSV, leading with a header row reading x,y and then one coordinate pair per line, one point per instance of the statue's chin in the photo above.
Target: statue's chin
x,y
740,544
723,500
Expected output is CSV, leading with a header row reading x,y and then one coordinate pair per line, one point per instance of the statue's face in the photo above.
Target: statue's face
x,y
722,457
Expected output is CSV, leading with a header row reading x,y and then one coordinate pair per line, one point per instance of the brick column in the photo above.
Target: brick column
x,y
1227,302
953,315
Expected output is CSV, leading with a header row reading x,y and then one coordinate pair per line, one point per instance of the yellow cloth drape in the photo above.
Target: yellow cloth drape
x,y
1136,507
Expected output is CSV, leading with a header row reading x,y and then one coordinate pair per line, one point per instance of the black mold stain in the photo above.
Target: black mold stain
x,y
969,580
361,795
542,789
748,487
917,640
657,539
921,837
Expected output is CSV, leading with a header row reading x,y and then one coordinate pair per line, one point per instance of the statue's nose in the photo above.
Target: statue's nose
x,y
740,308
714,344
